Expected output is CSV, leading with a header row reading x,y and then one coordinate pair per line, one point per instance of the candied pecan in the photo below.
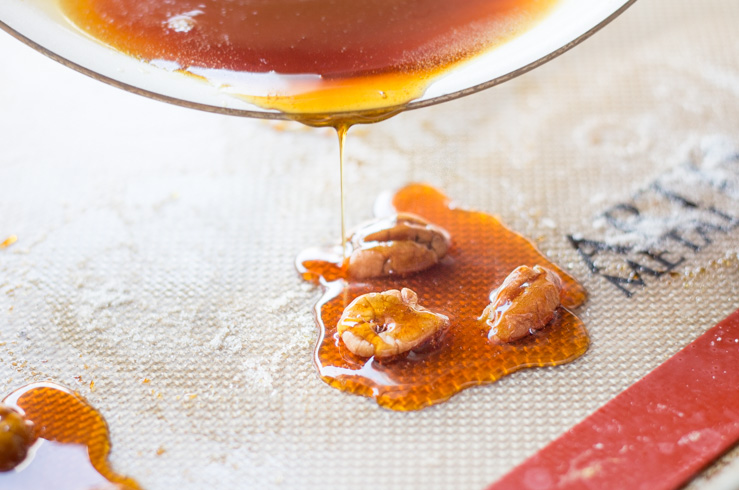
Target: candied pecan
x,y
525,302
401,244
16,438
387,324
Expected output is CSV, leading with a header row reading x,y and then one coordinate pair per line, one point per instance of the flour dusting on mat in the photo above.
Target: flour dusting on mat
x,y
667,223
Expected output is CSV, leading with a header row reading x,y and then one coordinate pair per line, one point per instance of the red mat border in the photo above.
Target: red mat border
x,y
655,435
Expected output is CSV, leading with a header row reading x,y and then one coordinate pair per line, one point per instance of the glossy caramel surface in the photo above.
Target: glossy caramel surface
x,y
482,254
329,55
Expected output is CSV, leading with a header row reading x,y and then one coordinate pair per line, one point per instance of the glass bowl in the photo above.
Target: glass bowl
x,y
41,25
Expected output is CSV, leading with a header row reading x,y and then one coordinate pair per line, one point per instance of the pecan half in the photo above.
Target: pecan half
x,y
17,435
401,244
387,324
525,302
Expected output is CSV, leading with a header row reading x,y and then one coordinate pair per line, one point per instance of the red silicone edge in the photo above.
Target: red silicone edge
x,y
655,435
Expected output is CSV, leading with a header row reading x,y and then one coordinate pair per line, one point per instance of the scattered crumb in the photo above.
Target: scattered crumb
x,y
9,241
549,223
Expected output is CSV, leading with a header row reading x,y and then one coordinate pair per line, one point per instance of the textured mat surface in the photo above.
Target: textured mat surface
x,y
157,243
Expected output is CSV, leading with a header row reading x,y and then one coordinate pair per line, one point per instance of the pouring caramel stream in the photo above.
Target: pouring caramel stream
x,y
320,62
341,131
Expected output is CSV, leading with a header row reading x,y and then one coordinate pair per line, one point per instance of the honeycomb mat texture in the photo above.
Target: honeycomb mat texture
x,y
153,268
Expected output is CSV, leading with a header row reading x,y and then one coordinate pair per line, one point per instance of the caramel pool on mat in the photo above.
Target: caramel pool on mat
x,y
482,254
73,446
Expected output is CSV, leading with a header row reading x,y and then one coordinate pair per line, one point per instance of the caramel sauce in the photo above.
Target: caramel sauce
x,y
308,56
482,254
72,447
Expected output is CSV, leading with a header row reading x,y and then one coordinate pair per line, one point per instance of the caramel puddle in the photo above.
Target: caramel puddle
x,y
72,447
482,254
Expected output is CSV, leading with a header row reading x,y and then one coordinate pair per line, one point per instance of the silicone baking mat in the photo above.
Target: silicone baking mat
x,y
153,268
